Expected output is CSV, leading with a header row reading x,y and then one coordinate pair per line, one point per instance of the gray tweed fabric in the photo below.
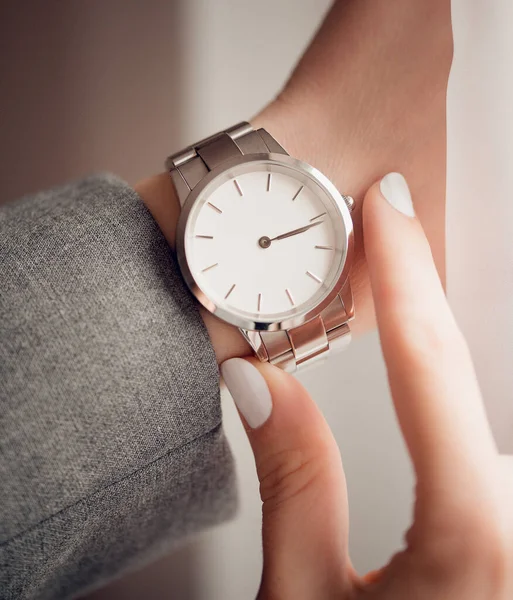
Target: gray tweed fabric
x,y
111,445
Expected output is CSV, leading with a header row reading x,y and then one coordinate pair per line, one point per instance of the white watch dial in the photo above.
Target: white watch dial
x,y
266,241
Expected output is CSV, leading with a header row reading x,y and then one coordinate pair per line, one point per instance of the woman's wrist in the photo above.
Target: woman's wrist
x,y
357,106
283,121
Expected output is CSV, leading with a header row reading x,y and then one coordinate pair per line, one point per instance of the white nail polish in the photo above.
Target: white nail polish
x,y
248,389
396,191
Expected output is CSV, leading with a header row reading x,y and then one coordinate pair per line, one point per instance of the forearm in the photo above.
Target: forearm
x,y
368,97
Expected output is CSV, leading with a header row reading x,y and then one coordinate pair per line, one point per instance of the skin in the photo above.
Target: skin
x,y
460,545
368,97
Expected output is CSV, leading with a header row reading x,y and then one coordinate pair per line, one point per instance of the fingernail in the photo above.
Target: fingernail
x,y
248,389
397,193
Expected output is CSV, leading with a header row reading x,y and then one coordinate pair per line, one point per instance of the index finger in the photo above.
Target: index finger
x,y
431,375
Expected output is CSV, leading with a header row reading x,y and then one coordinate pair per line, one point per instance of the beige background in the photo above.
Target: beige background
x,y
117,85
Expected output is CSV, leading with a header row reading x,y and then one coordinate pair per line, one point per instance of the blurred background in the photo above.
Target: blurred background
x,y
117,86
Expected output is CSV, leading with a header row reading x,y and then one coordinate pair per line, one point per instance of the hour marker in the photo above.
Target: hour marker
x,y
269,182
208,268
205,237
317,217
325,247
238,187
259,305
229,291
298,192
310,274
287,291
214,207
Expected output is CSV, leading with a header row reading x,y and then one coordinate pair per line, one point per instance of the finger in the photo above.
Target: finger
x,y
431,375
302,482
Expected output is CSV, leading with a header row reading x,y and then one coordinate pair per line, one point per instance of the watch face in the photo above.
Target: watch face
x,y
266,242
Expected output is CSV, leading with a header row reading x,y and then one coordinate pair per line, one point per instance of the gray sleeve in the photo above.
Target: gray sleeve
x,y
111,445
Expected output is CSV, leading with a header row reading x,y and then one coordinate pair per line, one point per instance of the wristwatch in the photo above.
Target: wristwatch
x,y
265,242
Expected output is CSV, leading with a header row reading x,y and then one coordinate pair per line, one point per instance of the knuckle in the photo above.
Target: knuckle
x,y
288,474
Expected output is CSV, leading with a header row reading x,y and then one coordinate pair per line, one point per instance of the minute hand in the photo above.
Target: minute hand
x,y
296,231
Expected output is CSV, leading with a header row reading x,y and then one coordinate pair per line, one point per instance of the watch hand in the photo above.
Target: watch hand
x,y
265,242
296,231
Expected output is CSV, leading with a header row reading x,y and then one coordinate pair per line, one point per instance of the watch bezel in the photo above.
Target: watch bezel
x,y
227,315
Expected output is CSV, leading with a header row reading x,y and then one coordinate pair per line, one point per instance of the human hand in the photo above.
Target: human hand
x,y
460,545
368,95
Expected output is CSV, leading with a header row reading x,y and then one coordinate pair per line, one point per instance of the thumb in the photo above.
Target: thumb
x,y
302,484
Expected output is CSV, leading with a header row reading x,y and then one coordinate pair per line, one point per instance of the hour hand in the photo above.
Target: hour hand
x,y
265,241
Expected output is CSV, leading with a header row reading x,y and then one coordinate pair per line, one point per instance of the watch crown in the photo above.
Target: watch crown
x,y
349,200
